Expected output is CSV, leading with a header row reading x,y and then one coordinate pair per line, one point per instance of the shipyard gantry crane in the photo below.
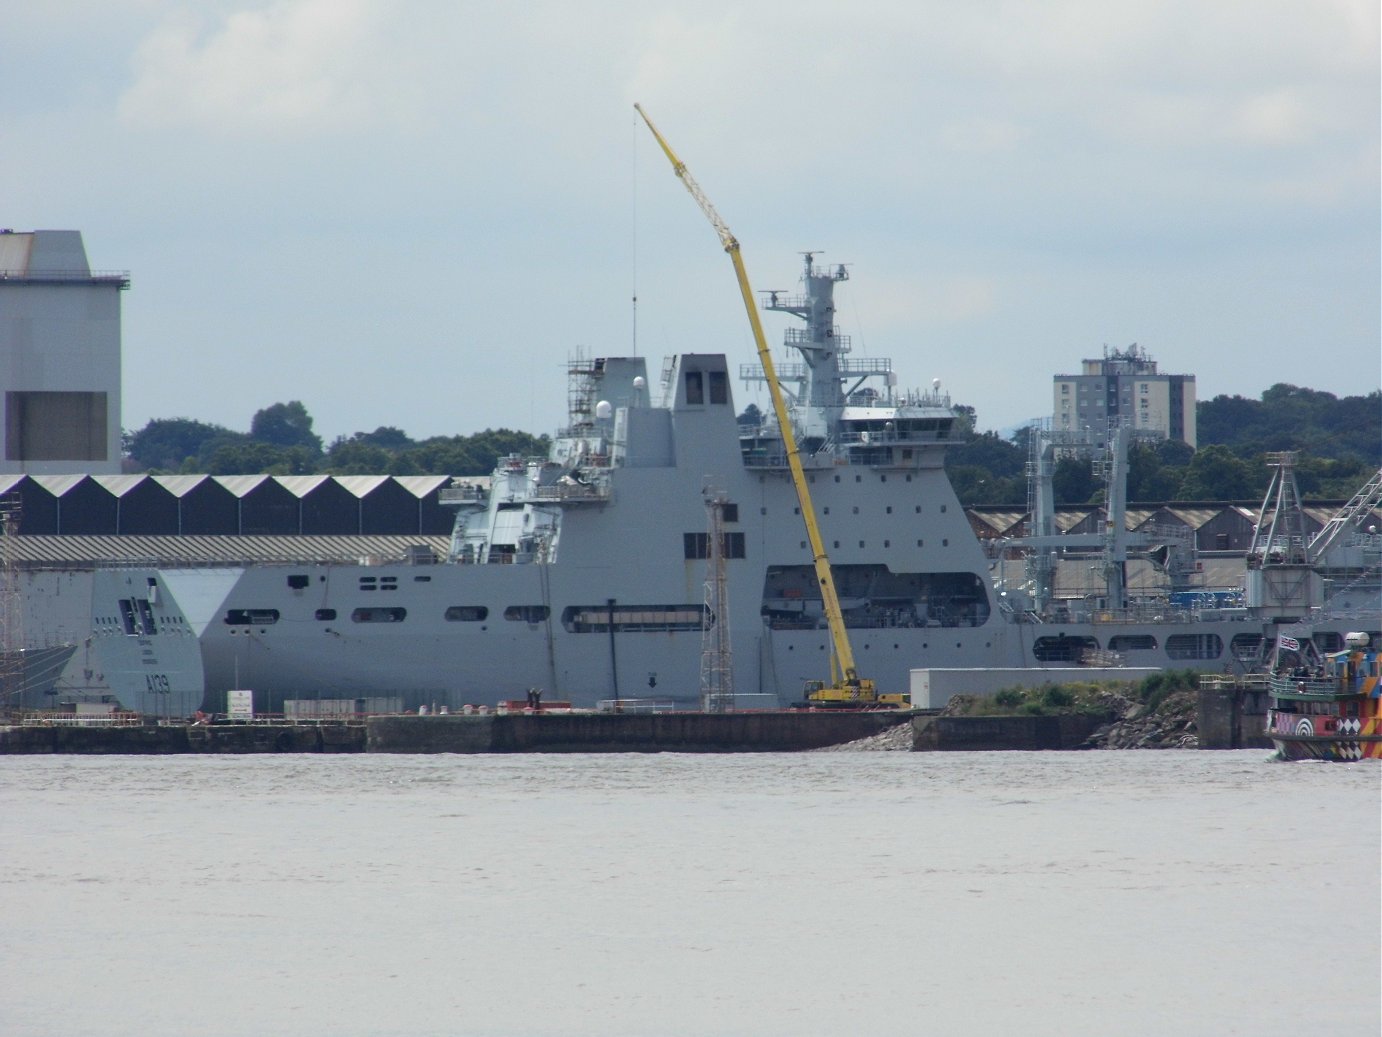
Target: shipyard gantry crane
x,y
846,688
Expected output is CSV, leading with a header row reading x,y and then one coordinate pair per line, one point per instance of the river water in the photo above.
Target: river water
x,y
830,893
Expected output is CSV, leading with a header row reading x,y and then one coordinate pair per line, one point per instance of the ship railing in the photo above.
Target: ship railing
x,y
775,457
199,562
894,437
116,277
1131,614
293,720
796,371
1297,685
40,564
1248,681
82,720
462,495
636,706
573,492
802,337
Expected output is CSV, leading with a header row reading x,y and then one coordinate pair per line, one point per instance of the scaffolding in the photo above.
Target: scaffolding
x,y
11,615
717,663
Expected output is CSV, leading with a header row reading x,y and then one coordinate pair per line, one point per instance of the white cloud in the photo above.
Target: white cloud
x,y
982,136
293,64
1280,117
476,156
888,302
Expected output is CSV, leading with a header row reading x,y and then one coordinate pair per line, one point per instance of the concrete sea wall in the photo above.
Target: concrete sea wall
x,y
1233,716
971,734
1228,718
167,739
623,732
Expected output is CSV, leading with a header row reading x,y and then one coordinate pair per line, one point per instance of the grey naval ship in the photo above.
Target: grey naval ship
x,y
657,527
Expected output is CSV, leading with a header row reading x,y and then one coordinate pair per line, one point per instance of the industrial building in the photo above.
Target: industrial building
x,y
59,356
229,505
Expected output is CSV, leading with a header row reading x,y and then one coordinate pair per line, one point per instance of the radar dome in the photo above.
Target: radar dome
x,y
639,382
603,410
935,383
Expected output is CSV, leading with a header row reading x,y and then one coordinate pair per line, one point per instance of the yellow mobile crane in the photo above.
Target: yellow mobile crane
x,y
846,688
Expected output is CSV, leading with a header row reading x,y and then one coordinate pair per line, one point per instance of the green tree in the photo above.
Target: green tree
x,y
250,457
386,436
489,446
1073,481
999,457
1149,477
446,455
978,486
1329,478
965,421
1291,417
286,425
356,457
1214,473
166,444
227,442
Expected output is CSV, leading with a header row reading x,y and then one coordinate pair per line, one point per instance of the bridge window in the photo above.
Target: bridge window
x,y
1132,643
467,614
251,617
595,619
127,616
378,615
1194,646
1062,649
527,613
697,545
1248,647
719,387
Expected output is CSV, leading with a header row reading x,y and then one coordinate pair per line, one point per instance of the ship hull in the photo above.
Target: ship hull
x,y
425,659
1325,736
1334,750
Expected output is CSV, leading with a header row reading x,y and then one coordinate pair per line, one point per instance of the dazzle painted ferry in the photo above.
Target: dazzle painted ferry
x,y
660,541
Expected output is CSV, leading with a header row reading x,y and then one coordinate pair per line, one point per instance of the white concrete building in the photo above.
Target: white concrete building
x,y
59,356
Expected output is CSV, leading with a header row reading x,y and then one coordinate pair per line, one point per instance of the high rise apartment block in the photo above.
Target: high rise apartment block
x,y
1123,387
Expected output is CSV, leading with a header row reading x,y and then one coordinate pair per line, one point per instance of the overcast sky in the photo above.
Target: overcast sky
x,y
414,213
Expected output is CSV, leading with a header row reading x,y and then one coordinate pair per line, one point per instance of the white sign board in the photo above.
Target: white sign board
x,y
240,704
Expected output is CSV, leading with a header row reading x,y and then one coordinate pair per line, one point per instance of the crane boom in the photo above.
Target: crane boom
x,y
842,656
